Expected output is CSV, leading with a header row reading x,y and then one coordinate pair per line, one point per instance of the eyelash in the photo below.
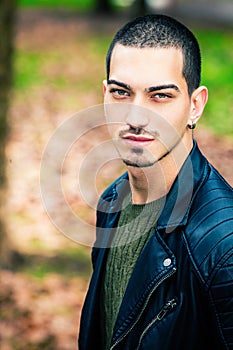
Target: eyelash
x,y
123,93
161,96
119,92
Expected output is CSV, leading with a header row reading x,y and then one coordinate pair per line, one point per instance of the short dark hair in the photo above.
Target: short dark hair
x,y
160,31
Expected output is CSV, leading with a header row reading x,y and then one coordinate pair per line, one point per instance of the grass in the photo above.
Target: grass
x,y
28,70
69,262
217,55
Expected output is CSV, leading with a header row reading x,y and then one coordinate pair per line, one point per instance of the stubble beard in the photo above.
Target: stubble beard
x,y
137,156
142,157
138,159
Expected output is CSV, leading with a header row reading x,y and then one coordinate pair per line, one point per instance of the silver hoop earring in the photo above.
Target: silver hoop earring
x,y
192,126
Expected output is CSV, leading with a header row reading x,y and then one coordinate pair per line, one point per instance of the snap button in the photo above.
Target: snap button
x,y
167,262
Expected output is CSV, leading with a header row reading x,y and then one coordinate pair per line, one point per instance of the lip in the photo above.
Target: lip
x,y
139,140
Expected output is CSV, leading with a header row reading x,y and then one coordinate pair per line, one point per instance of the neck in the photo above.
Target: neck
x,y
152,183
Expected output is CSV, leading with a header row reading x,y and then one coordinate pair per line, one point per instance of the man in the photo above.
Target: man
x,y
163,257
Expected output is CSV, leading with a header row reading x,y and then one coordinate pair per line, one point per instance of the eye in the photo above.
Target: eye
x,y
161,96
119,93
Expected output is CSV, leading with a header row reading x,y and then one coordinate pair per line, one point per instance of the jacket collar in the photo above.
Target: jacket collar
x,y
179,199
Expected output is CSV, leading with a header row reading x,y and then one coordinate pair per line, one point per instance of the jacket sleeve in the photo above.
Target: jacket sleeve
x,y
221,290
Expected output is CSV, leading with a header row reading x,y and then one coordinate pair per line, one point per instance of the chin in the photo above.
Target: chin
x,y
139,163
143,160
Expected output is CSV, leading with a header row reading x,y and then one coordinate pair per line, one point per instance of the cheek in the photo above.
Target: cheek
x,y
116,113
170,125
113,130
178,114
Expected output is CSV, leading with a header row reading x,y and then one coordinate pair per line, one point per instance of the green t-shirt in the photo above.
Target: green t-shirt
x,y
135,226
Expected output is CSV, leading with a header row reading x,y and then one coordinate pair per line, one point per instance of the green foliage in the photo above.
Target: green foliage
x,y
73,4
27,70
70,262
217,53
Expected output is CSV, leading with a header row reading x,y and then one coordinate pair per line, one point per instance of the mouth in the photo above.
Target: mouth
x,y
138,140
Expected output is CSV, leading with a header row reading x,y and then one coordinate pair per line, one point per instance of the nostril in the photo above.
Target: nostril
x,y
137,131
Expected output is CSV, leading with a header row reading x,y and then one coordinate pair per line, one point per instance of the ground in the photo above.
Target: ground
x,y
43,312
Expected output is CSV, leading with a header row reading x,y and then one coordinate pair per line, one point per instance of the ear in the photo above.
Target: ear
x,y
105,86
198,101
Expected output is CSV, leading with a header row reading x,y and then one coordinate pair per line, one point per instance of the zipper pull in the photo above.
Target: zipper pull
x,y
167,307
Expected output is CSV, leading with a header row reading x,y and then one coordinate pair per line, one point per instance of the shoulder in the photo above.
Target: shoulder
x,y
213,202
108,210
209,232
113,191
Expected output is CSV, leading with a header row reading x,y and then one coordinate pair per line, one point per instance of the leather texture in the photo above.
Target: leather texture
x,y
180,295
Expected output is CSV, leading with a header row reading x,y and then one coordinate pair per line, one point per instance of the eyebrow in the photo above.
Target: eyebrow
x,y
119,83
150,89
163,87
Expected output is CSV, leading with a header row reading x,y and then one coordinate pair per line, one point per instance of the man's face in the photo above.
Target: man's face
x,y
147,104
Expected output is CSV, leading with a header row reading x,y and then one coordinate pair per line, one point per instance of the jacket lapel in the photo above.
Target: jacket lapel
x,y
150,270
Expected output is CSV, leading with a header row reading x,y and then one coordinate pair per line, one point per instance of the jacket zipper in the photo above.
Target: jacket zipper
x,y
145,304
169,306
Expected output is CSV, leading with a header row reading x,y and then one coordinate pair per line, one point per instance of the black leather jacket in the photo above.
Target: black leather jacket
x,y
180,295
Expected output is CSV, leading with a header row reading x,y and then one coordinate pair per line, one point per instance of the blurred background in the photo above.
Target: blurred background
x,y
52,61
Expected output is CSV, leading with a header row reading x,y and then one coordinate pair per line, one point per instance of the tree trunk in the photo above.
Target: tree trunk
x,y
7,15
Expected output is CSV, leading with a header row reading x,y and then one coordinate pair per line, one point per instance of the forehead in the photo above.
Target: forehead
x,y
148,64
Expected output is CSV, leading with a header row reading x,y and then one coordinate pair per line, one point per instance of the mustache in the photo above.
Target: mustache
x,y
139,131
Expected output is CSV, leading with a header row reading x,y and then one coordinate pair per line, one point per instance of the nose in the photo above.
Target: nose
x,y
137,117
